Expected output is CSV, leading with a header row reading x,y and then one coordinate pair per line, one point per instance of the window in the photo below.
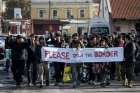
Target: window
x,y
41,12
55,13
69,13
103,31
82,13
118,28
79,31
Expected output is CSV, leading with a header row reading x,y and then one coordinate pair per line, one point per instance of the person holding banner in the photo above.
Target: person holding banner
x,y
31,64
121,43
92,66
59,66
103,68
112,42
42,66
76,43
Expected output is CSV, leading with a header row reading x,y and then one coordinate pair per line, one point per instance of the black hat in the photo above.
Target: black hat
x,y
75,35
129,37
58,34
19,37
92,37
41,38
104,39
32,35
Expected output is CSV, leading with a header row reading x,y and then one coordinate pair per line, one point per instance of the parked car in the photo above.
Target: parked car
x,y
2,49
99,26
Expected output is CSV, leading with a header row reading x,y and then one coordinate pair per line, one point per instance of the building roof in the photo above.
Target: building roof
x,y
125,9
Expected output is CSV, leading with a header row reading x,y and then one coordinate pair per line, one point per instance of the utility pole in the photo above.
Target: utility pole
x,y
88,16
77,17
2,17
49,16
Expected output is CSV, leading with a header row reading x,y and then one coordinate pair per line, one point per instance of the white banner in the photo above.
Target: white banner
x,y
72,55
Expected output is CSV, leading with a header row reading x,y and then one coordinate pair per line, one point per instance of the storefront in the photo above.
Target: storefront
x,y
41,26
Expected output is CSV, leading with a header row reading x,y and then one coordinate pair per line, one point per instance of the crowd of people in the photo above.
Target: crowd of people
x,y
26,60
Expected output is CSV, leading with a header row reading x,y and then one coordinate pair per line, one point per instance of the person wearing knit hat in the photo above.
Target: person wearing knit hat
x,y
128,65
18,59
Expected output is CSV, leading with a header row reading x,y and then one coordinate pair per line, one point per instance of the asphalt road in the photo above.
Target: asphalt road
x,y
7,85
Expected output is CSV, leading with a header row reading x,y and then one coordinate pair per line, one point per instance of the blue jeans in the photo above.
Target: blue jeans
x,y
75,73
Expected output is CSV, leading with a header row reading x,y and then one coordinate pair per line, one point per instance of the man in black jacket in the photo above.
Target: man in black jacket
x,y
59,66
31,64
130,58
18,59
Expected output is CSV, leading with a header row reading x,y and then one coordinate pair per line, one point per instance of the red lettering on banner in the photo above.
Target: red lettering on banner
x,y
58,55
47,53
61,55
115,53
54,55
67,55
106,53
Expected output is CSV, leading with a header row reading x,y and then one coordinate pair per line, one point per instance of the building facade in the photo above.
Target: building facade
x,y
122,15
125,15
57,15
2,6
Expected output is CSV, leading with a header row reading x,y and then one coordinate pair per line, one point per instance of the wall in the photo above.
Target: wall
x,y
91,9
125,26
2,6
